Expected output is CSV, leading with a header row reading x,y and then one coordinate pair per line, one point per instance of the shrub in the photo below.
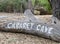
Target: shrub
x,y
21,5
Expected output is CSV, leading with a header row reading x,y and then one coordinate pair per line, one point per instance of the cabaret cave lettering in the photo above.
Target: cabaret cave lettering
x,y
29,26
43,28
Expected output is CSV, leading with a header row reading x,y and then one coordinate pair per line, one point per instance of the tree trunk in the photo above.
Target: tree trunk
x,y
56,8
30,6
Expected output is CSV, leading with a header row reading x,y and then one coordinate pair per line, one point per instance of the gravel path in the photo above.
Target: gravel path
x,y
18,38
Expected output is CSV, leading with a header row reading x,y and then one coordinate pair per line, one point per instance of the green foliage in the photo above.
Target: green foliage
x,y
33,2
20,5
14,4
45,4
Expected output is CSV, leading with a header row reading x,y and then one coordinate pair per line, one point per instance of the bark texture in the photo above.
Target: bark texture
x,y
55,4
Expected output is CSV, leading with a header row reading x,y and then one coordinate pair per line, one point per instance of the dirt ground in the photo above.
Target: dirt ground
x,y
19,38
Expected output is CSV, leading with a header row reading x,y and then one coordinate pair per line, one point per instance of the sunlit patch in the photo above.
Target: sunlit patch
x,y
3,16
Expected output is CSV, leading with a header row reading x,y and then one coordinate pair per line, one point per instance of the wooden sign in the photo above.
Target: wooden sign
x,y
35,28
29,26
32,26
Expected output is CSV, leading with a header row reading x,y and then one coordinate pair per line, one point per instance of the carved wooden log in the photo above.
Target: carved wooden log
x,y
32,26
